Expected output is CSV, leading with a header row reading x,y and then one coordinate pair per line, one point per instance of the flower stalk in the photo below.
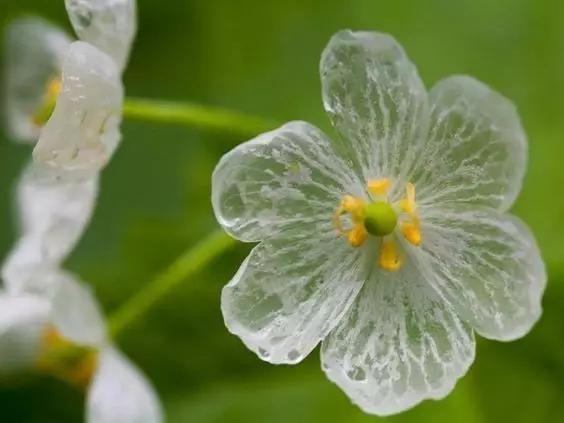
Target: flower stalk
x,y
189,263
195,115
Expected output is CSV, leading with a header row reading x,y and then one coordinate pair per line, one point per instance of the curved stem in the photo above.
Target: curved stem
x,y
189,263
195,115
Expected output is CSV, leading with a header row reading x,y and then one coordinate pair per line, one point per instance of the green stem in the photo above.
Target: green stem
x,y
189,263
195,115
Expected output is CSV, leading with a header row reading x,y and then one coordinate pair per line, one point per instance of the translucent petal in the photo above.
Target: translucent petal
x,y
398,345
83,131
22,321
76,313
109,25
376,100
292,290
34,54
476,151
53,213
120,393
487,265
281,178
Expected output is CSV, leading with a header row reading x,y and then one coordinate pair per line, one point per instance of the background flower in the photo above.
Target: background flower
x,y
34,52
38,325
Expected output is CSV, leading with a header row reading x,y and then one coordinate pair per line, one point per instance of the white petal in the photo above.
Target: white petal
x,y
487,265
76,313
292,290
83,131
398,345
53,214
120,393
110,25
281,178
22,322
477,149
376,100
34,54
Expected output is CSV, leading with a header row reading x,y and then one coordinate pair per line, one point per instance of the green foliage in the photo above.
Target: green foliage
x,y
262,58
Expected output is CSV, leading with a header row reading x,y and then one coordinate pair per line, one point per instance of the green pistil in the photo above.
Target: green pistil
x,y
380,219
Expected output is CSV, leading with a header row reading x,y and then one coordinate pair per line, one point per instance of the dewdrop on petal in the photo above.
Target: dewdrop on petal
x,y
109,25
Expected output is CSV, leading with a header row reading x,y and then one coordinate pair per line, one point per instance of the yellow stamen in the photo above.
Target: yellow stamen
x,y
412,232
357,235
43,113
389,256
379,186
349,204
410,228
53,88
66,360
355,207
408,205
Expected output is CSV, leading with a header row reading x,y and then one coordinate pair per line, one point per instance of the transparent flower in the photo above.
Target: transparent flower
x,y
34,51
390,245
61,332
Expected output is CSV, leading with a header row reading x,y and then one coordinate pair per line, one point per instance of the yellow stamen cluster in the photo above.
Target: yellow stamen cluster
x,y
355,208
66,360
379,218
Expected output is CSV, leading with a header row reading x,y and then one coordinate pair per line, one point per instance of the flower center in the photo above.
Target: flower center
x,y
45,109
380,218
66,360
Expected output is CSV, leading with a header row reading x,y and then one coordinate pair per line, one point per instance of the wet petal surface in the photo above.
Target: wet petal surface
x,y
83,131
487,265
291,291
376,100
285,178
398,345
476,149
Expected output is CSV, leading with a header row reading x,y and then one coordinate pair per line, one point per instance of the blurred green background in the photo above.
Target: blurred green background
x,y
262,57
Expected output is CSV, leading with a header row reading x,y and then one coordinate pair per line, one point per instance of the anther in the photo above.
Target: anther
x,y
66,360
411,232
45,110
407,205
379,186
389,256
357,235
